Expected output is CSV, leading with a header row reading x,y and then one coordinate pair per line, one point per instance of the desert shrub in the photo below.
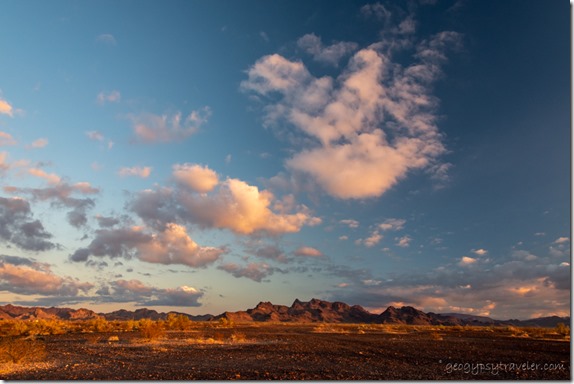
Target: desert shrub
x,y
178,322
17,350
151,330
128,325
225,323
562,329
14,328
435,336
98,324
47,327
238,337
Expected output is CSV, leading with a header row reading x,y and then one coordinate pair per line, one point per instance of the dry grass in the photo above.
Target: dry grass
x,y
18,350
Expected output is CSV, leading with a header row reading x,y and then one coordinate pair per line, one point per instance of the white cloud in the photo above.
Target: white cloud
x,y
331,54
372,124
143,172
196,177
150,128
98,136
106,38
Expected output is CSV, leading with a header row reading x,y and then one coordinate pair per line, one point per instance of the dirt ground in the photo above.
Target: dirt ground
x,y
296,352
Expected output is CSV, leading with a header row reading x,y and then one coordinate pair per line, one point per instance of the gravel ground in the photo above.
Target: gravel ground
x,y
297,353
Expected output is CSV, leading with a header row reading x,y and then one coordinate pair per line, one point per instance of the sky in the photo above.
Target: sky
x,y
203,156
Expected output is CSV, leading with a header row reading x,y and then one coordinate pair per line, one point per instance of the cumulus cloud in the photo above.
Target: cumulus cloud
x,y
376,10
6,108
465,260
307,252
18,227
331,54
196,177
110,97
371,125
270,252
170,246
143,172
107,222
150,128
244,209
480,252
404,241
254,271
561,240
370,241
26,276
6,139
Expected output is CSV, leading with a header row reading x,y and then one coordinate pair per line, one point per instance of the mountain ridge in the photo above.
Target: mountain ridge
x,y
312,311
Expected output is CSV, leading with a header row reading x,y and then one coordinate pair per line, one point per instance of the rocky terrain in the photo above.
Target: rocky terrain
x,y
311,311
299,351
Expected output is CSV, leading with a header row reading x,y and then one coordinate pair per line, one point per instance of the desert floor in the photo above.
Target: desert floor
x,y
299,352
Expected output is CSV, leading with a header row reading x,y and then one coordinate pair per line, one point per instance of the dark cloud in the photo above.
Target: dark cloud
x,y
122,291
17,226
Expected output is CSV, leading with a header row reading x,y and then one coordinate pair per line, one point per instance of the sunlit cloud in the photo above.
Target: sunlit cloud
x,y
150,128
404,241
465,260
331,54
145,295
51,178
350,223
480,252
6,139
307,252
561,240
196,177
143,172
371,125
6,108
392,224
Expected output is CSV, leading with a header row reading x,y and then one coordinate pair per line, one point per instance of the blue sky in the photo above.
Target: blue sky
x,y
204,156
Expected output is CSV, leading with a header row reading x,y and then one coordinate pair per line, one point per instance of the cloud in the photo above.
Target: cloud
x,y
18,227
143,172
392,224
107,222
376,10
270,252
51,178
307,252
110,97
196,177
561,240
372,124
170,246
6,139
370,241
150,128
465,260
331,54
480,252
106,38
39,143
404,241
254,271
26,276
244,209
350,223
98,136
60,194
6,108
146,295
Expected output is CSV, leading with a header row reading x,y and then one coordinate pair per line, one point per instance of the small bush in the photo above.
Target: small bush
x,y
151,330
18,350
562,329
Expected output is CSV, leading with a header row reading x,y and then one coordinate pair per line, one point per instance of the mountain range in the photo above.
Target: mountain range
x,y
311,311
